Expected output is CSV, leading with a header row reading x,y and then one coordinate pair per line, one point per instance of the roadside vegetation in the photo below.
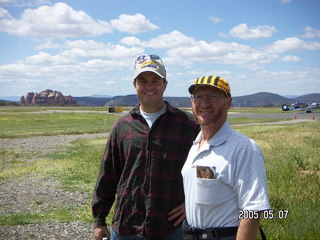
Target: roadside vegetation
x,y
291,158
25,124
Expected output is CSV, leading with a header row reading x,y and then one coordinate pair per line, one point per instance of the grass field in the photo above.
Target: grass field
x,y
291,157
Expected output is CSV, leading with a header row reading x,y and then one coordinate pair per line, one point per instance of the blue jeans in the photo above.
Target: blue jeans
x,y
177,235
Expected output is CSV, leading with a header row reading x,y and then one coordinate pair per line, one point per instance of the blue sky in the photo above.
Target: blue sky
x,y
83,47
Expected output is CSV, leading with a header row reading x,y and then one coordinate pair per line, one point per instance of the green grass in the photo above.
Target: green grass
x,y
244,120
30,122
292,159
292,154
45,124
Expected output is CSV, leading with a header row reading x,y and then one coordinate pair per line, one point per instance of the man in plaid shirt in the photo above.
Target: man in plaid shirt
x,y
142,162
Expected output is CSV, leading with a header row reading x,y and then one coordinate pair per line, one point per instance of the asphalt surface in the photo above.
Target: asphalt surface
x,y
282,115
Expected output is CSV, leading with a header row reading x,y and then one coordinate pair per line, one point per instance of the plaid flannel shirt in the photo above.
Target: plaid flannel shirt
x,y
142,167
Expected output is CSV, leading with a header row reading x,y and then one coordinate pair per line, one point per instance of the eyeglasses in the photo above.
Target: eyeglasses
x,y
212,98
145,57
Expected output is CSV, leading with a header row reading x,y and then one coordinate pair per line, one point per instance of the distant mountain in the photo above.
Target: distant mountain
x,y
101,96
92,101
290,96
260,99
309,98
128,100
253,100
11,98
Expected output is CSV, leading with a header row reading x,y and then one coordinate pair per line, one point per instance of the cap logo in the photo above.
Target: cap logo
x,y
149,64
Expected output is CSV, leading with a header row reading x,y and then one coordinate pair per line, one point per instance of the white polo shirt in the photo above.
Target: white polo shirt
x,y
231,176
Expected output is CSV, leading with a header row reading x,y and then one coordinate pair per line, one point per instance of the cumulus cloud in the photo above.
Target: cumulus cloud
x,y
86,49
131,41
242,31
215,19
292,44
311,32
24,3
220,53
47,59
58,20
289,58
132,24
168,40
62,21
4,14
285,1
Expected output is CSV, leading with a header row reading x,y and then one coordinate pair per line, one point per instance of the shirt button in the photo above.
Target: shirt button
x,y
204,236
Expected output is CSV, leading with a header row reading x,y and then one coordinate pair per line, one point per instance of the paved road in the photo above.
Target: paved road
x,y
285,115
280,115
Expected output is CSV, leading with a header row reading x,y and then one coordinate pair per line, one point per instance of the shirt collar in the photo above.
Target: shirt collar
x,y
169,108
220,137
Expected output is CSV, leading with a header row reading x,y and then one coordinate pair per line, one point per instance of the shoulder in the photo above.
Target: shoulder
x,y
244,141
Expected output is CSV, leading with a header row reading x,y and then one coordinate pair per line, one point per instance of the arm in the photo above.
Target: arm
x,y
248,229
178,212
100,232
105,189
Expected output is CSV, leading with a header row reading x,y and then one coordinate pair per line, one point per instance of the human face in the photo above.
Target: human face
x,y
150,88
209,110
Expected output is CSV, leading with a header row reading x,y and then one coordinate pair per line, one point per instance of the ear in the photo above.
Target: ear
x,y
229,102
165,84
134,83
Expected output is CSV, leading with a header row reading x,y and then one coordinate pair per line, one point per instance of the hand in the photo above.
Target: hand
x,y
100,232
178,212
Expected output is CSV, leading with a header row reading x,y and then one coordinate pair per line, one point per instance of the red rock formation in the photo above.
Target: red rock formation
x,y
48,97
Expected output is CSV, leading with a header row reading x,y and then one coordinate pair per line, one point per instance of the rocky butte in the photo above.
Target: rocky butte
x,y
47,97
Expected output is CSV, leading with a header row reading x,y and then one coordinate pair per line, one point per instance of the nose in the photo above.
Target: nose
x,y
205,101
148,85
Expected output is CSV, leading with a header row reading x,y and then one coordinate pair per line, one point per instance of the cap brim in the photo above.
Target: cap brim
x,y
148,70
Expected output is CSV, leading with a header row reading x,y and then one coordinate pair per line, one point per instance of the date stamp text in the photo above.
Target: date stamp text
x,y
266,214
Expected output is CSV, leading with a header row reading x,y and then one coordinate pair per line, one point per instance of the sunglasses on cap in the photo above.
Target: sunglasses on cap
x,y
145,57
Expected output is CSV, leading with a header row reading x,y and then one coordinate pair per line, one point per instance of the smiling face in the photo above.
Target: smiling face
x,y
150,88
210,107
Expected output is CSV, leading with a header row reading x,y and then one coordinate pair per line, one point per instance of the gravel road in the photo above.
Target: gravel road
x,y
35,193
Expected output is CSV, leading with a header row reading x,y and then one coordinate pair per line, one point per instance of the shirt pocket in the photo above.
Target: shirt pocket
x,y
207,191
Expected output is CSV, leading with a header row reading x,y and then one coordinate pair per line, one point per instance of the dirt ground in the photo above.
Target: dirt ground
x,y
22,195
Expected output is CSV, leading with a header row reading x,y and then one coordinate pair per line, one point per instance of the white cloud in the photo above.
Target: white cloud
x,y
24,3
43,58
5,14
292,44
57,21
310,32
131,41
132,24
285,1
289,58
242,31
170,40
220,53
215,19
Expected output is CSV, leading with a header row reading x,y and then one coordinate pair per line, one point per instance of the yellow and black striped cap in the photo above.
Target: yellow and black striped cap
x,y
212,81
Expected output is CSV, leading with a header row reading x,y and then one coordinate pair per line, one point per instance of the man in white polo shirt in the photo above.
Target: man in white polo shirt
x,y
224,176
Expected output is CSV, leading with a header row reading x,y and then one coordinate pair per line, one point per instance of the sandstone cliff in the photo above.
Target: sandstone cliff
x,y
47,97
